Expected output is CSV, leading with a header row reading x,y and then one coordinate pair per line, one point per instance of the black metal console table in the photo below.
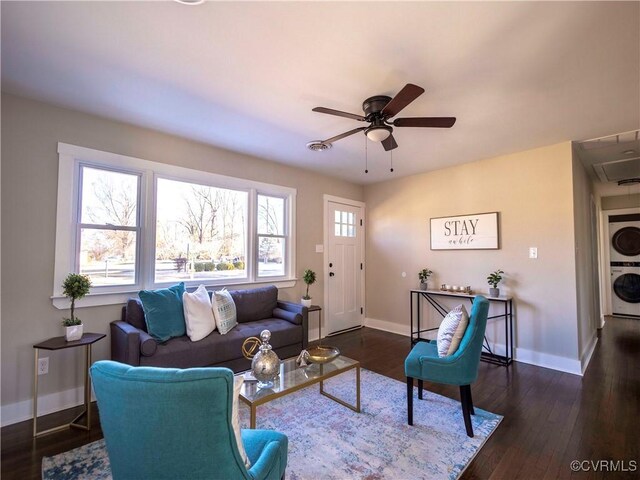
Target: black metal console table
x,y
487,355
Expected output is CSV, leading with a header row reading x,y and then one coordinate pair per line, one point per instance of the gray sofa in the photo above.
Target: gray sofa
x,y
257,310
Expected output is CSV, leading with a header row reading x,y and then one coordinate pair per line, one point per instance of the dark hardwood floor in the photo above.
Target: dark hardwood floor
x,y
550,417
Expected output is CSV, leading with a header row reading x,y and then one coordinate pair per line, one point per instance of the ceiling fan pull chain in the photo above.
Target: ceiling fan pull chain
x,y
391,169
366,156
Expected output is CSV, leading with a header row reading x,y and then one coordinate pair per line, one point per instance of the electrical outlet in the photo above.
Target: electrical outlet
x,y
43,366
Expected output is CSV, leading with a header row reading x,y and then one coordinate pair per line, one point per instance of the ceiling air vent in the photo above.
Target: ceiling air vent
x,y
318,146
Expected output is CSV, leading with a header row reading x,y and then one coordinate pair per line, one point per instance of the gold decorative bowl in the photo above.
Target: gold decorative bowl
x,y
322,354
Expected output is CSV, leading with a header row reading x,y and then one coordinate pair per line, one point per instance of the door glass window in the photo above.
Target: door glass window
x,y
344,224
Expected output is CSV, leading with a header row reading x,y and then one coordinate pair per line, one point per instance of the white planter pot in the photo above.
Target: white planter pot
x,y
306,303
494,292
424,285
74,332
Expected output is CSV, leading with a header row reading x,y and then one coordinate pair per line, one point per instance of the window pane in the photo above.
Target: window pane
x,y
200,232
109,198
270,215
344,231
108,257
337,230
270,256
344,217
337,216
352,231
351,218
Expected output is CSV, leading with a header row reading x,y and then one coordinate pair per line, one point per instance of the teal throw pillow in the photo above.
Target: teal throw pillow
x,y
163,312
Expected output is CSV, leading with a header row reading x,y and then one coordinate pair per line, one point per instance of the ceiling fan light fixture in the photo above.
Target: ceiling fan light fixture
x,y
378,133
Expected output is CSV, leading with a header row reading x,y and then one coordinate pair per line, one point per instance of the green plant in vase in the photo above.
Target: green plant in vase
x,y
424,275
75,287
494,280
309,277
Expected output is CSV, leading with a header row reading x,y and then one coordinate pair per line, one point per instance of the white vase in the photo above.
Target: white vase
x,y
494,292
424,286
74,332
306,303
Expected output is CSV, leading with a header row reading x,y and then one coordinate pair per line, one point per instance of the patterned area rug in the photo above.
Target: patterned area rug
x,y
329,441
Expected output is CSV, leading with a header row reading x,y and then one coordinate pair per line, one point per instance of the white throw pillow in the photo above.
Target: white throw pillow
x,y
224,309
452,330
198,316
235,422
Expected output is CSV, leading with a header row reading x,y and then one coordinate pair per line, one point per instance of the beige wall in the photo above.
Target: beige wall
x,y
621,201
30,133
587,287
532,190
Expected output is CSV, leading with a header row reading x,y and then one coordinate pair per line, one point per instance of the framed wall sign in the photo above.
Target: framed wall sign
x,y
465,232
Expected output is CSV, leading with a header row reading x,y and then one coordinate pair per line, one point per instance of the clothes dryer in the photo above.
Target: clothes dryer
x,y
624,234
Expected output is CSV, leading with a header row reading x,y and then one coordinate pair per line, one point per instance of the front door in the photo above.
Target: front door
x,y
343,223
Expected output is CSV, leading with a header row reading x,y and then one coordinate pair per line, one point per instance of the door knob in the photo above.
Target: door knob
x,y
331,274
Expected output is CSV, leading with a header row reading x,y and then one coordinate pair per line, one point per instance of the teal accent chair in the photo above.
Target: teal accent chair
x,y
167,423
460,368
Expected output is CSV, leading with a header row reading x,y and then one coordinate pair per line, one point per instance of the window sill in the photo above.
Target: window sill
x,y
115,298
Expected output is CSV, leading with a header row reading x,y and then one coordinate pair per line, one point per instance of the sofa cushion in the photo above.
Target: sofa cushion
x,y
163,312
133,314
255,304
183,353
224,310
198,315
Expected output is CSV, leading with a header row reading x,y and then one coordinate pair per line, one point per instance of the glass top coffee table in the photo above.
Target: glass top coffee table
x,y
293,378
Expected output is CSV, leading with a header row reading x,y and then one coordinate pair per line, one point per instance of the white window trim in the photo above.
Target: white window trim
x,y
70,158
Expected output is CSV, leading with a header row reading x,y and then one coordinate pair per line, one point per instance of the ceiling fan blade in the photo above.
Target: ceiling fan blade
x,y
389,143
342,135
331,111
404,97
435,122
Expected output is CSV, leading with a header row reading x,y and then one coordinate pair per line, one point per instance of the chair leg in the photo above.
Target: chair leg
x,y
466,412
420,388
410,400
471,410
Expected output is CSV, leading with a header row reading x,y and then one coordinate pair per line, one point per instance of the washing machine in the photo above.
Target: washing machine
x,y
624,234
625,282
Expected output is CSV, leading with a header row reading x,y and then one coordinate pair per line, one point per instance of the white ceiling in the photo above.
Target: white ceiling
x,y
245,76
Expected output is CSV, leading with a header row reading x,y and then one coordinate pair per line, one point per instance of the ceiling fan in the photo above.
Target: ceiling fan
x,y
378,111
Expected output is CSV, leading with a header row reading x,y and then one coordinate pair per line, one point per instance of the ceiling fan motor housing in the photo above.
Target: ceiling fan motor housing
x,y
372,106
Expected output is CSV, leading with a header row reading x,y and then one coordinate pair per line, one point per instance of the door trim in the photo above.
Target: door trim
x,y
325,259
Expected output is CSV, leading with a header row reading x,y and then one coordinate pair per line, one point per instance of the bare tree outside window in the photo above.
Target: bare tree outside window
x,y
200,232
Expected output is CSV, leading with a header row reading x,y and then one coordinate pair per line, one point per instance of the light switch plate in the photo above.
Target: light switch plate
x,y
319,248
533,252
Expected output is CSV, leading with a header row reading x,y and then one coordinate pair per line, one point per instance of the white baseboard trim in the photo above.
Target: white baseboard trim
x,y
386,326
540,359
588,353
547,360
50,403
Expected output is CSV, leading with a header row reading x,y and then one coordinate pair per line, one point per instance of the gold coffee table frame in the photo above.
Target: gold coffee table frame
x,y
293,378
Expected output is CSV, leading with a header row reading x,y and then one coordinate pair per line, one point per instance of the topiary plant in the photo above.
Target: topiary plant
x,y
75,287
309,278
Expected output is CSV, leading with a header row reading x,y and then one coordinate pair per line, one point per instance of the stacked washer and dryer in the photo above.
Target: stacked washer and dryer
x,y
624,233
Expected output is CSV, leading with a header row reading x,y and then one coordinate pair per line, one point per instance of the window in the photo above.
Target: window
x,y
271,236
344,224
141,224
107,226
200,232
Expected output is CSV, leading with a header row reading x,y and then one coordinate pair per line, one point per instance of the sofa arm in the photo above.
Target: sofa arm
x,y
125,343
298,308
291,317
